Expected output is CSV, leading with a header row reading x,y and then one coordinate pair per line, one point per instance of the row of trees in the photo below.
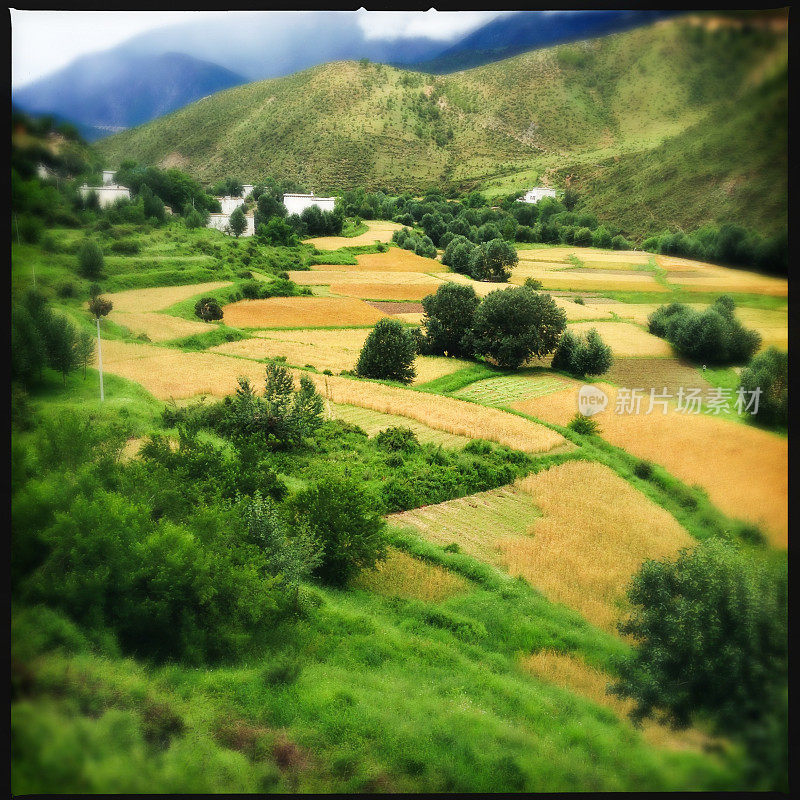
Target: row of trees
x,y
509,326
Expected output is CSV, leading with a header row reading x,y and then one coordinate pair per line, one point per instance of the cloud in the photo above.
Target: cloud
x,y
431,24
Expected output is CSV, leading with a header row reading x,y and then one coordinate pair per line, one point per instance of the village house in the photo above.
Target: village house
x,y
536,194
222,223
109,192
297,203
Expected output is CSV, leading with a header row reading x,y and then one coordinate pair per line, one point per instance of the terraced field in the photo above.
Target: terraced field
x,y
509,389
299,312
378,231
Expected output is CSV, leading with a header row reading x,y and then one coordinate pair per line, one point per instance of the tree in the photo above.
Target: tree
x,y
90,260
341,517
711,639
493,261
277,232
85,350
388,353
457,253
269,206
238,222
208,309
152,204
62,345
99,307
448,320
769,372
582,355
512,325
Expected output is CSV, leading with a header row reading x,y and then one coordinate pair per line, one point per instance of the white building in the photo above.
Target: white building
x,y
222,222
229,203
297,203
108,177
536,194
247,189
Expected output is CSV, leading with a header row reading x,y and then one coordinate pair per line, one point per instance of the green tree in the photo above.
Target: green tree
x,y
711,641
238,222
457,253
493,261
769,372
448,320
341,517
388,353
278,232
208,309
512,325
62,345
582,355
85,350
90,260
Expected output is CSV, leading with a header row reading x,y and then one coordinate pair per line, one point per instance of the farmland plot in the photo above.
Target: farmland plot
x,y
379,231
743,469
159,298
625,339
157,327
509,389
396,259
294,312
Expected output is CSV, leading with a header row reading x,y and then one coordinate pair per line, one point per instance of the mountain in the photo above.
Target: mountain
x,y
511,35
679,123
106,92
125,86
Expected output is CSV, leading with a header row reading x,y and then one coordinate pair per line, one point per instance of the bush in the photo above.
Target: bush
x,y
388,353
643,470
127,247
397,439
511,325
208,309
584,425
340,516
769,372
711,634
90,260
493,261
29,229
582,355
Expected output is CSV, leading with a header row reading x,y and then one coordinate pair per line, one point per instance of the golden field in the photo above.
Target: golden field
x,y
318,277
161,297
372,422
385,291
157,327
402,575
396,259
744,469
572,673
625,339
379,231
290,312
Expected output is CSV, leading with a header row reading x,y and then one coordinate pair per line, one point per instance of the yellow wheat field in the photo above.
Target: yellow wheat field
x,y
576,311
625,339
398,260
288,312
594,533
385,291
157,327
413,318
168,373
372,422
572,673
402,575
379,231
161,297
320,277
572,280
743,469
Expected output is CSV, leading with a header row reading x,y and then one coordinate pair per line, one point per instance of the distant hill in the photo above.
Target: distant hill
x,y
675,124
106,92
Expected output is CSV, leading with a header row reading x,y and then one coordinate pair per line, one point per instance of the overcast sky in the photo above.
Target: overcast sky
x,y
44,41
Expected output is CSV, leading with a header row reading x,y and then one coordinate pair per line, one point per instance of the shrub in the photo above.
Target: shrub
x,y
582,355
128,247
533,283
397,439
388,353
584,425
493,260
769,372
208,309
341,518
90,260
511,325
643,470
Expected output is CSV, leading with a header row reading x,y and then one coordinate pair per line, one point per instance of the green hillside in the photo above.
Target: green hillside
x,y
682,118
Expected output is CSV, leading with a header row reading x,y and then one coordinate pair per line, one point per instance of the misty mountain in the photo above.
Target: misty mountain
x,y
107,92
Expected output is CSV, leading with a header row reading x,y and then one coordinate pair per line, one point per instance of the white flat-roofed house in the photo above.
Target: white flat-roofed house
x,y
222,222
536,194
108,177
247,189
106,195
298,203
229,203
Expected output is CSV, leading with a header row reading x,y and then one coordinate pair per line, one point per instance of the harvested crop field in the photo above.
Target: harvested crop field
x,y
656,373
396,259
509,389
719,279
385,291
157,327
576,311
625,339
571,280
379,231
402,575
413,319
320,277
396,308
743,469
289,312
332,349
572,673
160,297
374,422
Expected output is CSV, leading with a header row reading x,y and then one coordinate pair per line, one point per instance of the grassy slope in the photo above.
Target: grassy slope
x,y
634,118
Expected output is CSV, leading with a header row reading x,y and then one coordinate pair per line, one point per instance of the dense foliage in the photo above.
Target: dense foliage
x,y
769,372
448,320
585,354
388,352
714,336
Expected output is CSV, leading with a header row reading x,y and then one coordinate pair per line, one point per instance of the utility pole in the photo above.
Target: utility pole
x,y
100,359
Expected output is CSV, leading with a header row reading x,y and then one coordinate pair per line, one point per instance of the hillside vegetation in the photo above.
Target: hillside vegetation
x,y
673,125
